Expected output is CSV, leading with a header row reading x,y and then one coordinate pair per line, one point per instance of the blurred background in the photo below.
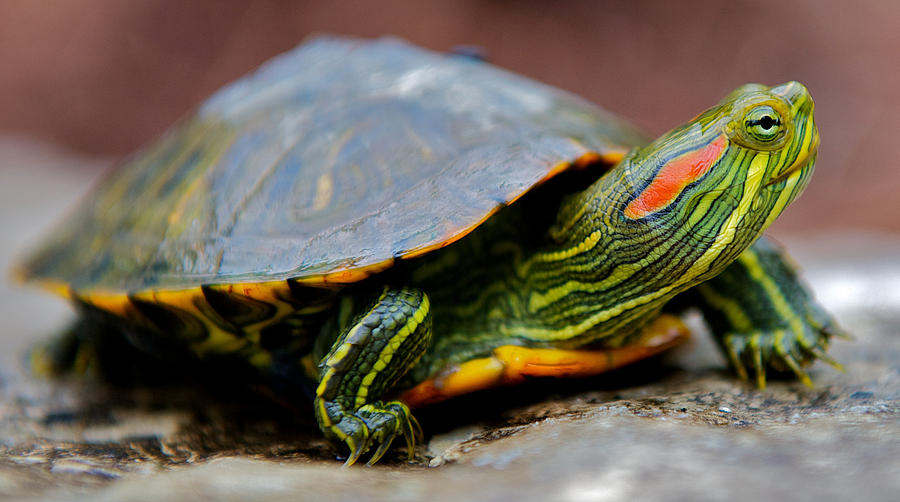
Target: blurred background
x,y
104,76
82,83
101,77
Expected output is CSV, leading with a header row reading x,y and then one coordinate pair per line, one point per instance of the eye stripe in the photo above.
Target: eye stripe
x,y
674,176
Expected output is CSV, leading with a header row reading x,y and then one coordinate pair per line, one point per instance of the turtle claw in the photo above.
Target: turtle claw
x,y
389,420
795,367
377,424
822,356
415,434
357,447
780,351
380,451
758,363
843,335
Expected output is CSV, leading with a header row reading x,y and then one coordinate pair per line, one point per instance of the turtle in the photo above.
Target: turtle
x,y
391,227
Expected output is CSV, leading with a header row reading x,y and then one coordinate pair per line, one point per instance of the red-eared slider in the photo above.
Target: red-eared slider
x,y
346,212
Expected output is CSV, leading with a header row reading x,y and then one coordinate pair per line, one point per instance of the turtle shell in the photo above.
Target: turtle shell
x,y
325,165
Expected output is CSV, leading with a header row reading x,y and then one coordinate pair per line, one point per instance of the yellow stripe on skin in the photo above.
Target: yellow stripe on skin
x,y
564,254
758,274
621,273
610,158
701,210
334,358
538,300
391,348
322,415
732,309
757,360
784,197
726,235
308,363
724,238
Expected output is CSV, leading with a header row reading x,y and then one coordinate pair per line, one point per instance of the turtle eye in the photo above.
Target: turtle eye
x,y
763,123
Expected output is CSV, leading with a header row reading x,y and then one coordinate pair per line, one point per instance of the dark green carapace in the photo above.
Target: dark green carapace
x,y
402,227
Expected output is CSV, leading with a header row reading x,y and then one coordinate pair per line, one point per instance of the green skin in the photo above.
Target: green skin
x,y
497,288
587,269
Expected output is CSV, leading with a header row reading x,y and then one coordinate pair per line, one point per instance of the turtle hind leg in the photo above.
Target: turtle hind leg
x,y
764,318
365,362
511,364
83,349
72,352
93,347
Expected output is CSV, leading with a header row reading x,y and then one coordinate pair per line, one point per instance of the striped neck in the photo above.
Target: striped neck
x,y
667,218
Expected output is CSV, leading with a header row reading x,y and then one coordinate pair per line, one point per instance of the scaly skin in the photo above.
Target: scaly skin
x,y
363,364
600,275
764,318
667,218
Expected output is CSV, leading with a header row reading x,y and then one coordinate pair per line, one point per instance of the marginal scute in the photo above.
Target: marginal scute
x,y
238,309
166,320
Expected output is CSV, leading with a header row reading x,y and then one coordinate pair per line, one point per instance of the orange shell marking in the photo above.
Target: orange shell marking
x,y
674,176
510,364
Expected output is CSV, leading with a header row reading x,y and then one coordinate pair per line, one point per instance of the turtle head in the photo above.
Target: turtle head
x,y
774,124
727,174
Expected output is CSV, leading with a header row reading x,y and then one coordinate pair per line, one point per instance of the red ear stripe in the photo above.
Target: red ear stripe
x,y
673,177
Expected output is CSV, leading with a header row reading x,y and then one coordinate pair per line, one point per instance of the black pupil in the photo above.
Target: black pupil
x,y
766,122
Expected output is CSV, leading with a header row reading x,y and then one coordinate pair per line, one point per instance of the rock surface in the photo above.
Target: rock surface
x,y
680,427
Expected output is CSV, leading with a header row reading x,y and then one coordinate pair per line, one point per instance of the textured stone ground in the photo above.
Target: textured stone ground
x,y
680,427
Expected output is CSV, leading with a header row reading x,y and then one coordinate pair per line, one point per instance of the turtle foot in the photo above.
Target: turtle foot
x,y
765,318
376,425
783,351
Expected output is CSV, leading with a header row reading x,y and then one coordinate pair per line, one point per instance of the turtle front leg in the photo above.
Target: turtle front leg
x,y
764,317
364,363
